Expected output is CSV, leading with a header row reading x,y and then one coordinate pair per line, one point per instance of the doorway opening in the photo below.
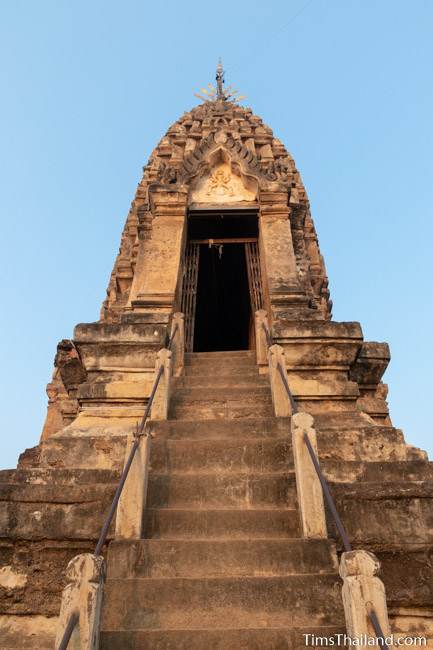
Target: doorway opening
x,y
223,312
221,280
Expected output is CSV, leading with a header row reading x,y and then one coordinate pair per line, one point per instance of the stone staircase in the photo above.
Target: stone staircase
x,y
222,564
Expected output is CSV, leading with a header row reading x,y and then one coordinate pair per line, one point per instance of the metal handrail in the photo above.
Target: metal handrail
x,y
68,631
139,433
287,387
330,501
376,627
340,527
171,339
268,335
326,492
270,342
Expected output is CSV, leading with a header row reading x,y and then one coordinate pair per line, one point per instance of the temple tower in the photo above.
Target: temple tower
x,y
218,542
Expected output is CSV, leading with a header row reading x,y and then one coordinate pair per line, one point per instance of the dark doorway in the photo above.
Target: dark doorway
x,y
221,280
223,311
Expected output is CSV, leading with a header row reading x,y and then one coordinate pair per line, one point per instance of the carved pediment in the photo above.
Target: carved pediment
x,y
222,185
238,156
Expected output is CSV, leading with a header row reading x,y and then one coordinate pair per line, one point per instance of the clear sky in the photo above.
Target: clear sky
x,y
90,87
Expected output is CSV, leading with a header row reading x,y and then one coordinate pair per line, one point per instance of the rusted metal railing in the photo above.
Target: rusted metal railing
x,y
268,335
270,343
328,496
342,531
69,629
325,489
287,387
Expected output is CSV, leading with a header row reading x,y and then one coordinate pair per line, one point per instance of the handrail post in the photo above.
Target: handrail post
x,y
178,344
363,592
159,410
261,325
82,597
308,487
81,601
132,502
364,597
280,397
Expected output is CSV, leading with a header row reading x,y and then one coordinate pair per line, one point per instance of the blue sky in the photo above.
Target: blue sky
x,y
90,87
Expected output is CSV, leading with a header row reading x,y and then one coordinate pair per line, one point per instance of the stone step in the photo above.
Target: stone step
x,y
283,638
107,451
220,366
194,603
223,370
226,455
187,523
204,403
231,411
220,394
266,427
232,490
228,380
219,356
265,455
153,558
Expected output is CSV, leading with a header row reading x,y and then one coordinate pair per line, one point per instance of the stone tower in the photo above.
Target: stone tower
x,y
219,551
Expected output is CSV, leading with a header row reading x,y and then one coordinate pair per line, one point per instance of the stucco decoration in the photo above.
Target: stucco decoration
x,y
222,185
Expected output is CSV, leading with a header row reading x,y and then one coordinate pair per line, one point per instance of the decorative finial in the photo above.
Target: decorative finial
x,y
220,80
219,94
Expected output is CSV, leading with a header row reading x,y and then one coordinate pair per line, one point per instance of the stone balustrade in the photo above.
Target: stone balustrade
x,y
178,343
82,597
308,488
261,323
363,594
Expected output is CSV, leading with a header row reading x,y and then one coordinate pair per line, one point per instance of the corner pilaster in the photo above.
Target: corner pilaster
x,y
153,291
278,256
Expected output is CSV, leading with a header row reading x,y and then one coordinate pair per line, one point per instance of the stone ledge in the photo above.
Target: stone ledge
x,y
317,330
145,333
27,632
383,472
127,390
370,364
375,513
52,477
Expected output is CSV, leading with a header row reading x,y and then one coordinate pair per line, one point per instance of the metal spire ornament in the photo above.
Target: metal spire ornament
x,y
219,94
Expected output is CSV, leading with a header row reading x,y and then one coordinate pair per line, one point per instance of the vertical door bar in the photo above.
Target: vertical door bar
x,y
254,275
189,292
